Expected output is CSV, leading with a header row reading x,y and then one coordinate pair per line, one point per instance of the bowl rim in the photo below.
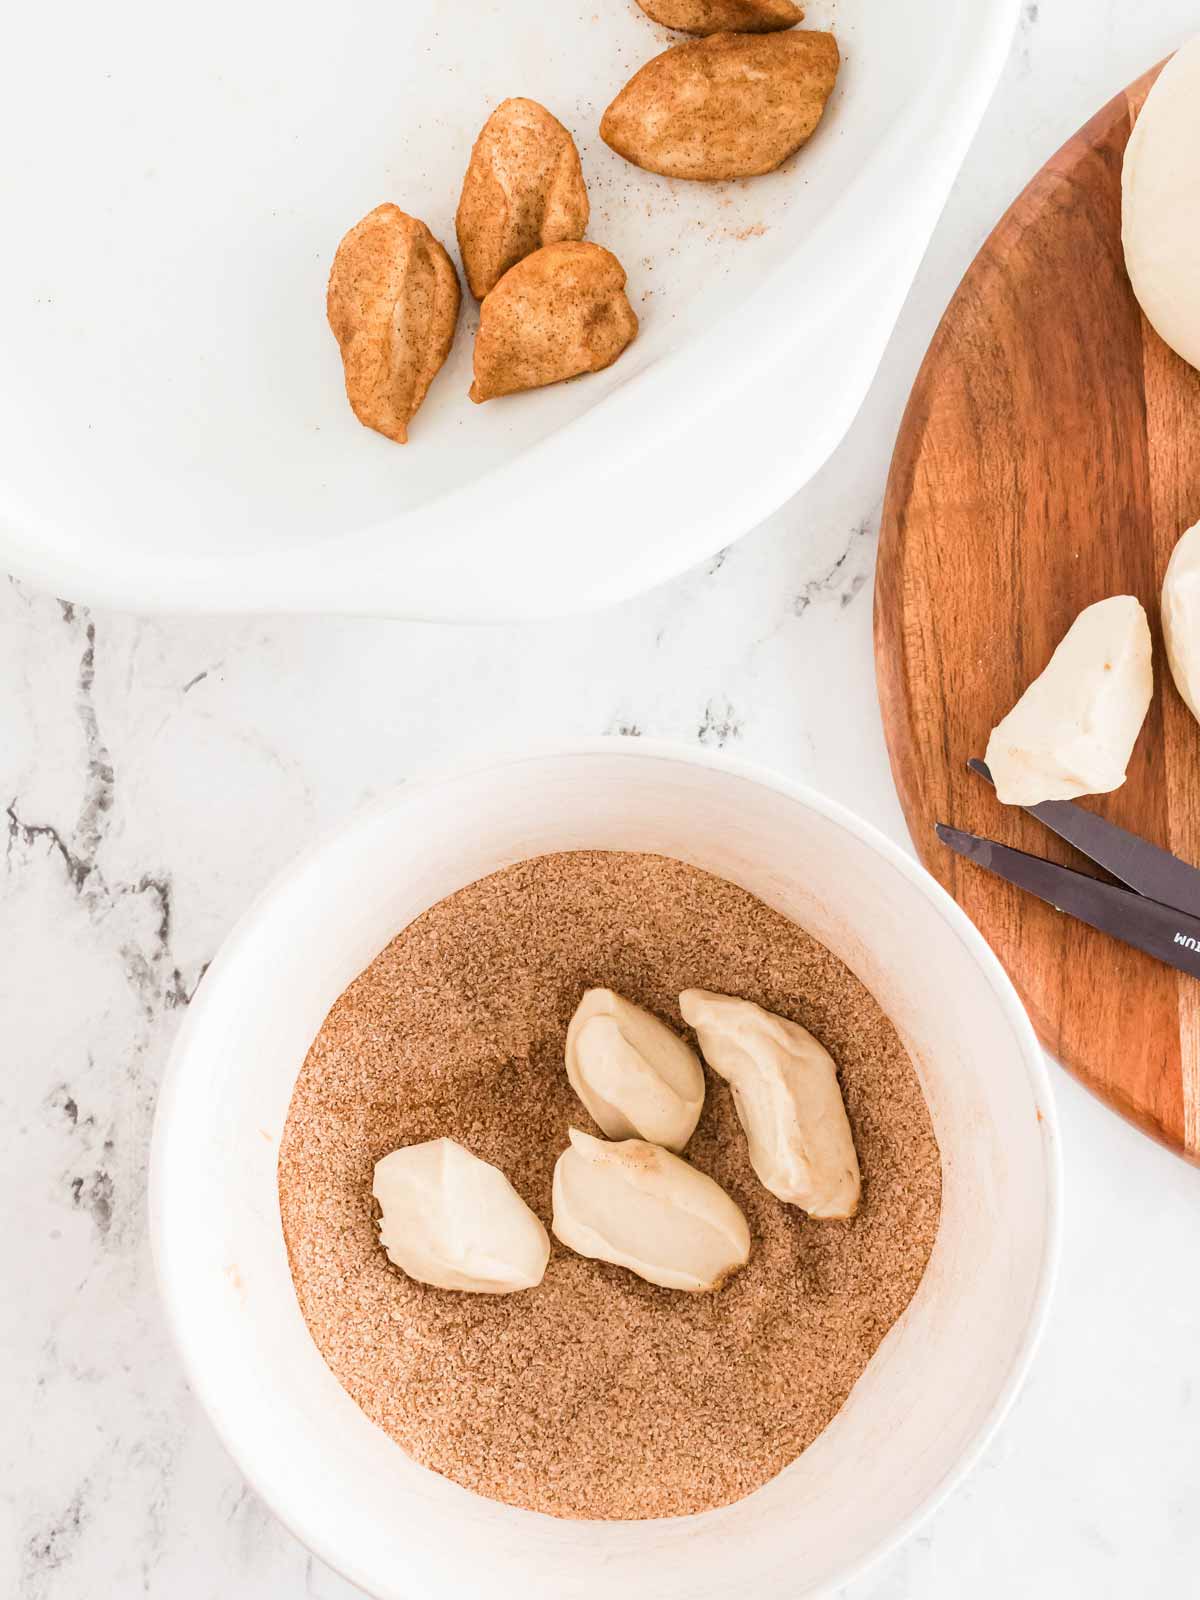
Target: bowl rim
x,y
160,1198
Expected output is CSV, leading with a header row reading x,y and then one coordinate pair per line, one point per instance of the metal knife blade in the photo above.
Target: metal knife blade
x,y
1168,935
1137,862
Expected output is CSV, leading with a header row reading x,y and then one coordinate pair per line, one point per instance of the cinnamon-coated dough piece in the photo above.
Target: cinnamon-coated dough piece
x,y
560,312
524,188
723,16
392,303
734,105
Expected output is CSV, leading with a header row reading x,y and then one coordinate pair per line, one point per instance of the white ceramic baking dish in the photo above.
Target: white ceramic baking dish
x,y
934,1390
175,432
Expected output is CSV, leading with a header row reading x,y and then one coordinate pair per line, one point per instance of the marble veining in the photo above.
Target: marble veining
x,y
155,773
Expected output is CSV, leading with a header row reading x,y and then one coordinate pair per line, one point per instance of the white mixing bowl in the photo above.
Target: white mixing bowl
x,y
933,1392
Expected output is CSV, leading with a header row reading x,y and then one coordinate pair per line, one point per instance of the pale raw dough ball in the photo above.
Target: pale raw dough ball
x,y
1160,215
1181,617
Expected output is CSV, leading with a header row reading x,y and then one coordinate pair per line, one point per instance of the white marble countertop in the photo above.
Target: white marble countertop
x,y
156,773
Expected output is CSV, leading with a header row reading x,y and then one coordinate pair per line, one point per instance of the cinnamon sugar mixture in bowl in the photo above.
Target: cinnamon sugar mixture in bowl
x,y
596,1395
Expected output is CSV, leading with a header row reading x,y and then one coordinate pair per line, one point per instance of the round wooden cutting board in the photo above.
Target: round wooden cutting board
x,y
1049,457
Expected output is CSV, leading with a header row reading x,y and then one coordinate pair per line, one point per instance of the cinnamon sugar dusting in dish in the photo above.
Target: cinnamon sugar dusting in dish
x,y
595,1395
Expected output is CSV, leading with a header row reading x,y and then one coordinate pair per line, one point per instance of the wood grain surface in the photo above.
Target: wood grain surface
x,y
1049,457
